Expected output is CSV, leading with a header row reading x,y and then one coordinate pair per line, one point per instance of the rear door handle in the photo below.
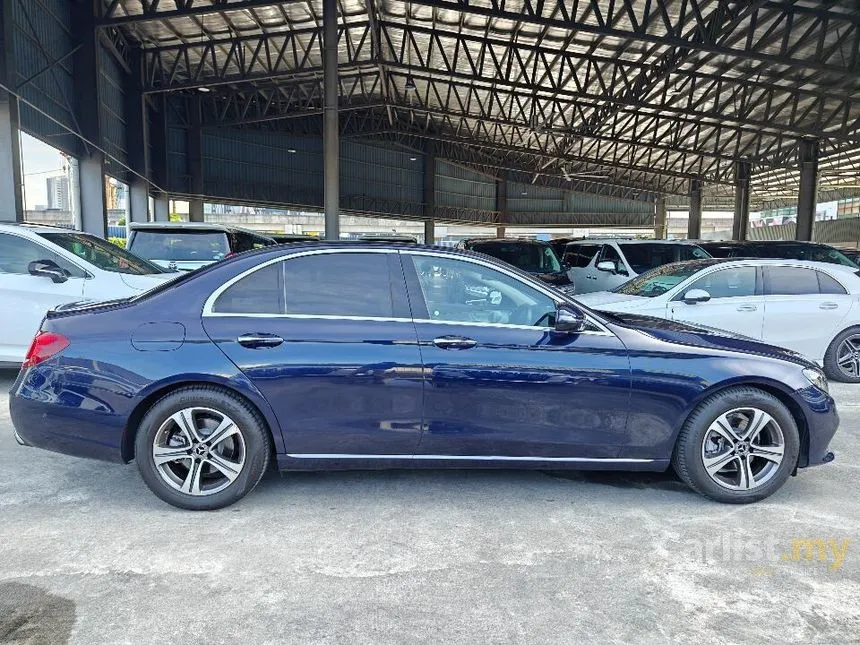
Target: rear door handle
x,y
454,342
828,305
255,341
747,308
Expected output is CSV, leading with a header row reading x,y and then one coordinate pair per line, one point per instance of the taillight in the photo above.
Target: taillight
x,y
44,345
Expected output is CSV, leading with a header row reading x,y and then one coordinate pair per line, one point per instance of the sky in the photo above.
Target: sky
x,y
39,161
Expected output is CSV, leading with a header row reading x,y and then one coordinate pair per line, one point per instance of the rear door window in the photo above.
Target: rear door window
x,y
180,246
790,281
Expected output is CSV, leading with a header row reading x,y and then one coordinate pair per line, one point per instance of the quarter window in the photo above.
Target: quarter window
x,y
261,292
828,285
727,283
791,281
458,291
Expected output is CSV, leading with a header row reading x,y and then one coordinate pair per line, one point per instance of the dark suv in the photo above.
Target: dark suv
x,y
533,256
786,250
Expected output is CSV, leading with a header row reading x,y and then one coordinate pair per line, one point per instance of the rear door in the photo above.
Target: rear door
x,y
579,256
736,303
805,308
26,298
328,338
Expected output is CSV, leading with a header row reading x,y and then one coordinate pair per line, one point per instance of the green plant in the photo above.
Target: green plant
x,y
119,241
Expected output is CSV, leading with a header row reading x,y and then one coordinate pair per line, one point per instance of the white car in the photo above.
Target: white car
x,y
42,267
601,265
809,307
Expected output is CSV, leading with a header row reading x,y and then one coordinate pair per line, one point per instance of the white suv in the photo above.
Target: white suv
x,y
42,267
601,265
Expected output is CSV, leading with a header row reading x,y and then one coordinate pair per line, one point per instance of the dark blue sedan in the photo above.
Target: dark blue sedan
x,y
356,356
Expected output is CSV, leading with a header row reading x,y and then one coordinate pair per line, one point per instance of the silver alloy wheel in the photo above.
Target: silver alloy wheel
x,y
743,449
848,356
199,451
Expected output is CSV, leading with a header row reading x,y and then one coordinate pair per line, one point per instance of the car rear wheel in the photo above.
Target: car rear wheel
x,y
738,446
842,359
202,448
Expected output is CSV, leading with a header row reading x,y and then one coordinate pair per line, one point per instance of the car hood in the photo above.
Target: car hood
x,y
182,265
146,282
613,301
672,331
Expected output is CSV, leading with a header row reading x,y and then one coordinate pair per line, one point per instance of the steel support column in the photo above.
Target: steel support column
x,y
694,223
660,218
161,208
137,128
331,124
502,203
93,217
430,193
807,196
11,178
741,222
194,142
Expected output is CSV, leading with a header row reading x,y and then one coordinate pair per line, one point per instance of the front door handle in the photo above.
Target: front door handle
x,y
255,341
454,342
747,308
828,305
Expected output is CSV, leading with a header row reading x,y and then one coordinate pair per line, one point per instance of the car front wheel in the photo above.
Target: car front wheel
x,y
738,446
202,448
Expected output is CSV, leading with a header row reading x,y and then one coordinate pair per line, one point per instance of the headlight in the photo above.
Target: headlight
x,y
816,377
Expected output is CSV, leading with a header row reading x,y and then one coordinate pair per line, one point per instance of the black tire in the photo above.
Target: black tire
x,y
250,443
688,459
831,366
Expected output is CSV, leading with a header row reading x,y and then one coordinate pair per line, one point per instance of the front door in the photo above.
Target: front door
x,y
736,302
26,298
326,336
500,384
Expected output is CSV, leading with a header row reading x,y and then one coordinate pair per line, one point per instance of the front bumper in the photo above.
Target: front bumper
x,y
822,421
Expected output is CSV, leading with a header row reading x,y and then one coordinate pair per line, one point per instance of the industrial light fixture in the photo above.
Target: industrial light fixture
x,y
410,84
292,151
524,193
413,158
205,90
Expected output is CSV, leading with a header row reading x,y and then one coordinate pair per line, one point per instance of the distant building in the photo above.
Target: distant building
x,y
58,193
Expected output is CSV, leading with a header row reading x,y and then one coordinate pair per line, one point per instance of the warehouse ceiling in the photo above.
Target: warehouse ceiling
x,y
619,97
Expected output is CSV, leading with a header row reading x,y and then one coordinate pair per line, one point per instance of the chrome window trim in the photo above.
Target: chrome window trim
x,y
603,331
213,297
210,301
588,460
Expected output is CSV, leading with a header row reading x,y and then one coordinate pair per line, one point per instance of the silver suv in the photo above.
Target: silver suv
x,y
601,265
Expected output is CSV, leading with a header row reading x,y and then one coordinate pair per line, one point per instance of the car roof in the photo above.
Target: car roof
x,y
518,240
191,226
36,228
742,243
630,240
822,266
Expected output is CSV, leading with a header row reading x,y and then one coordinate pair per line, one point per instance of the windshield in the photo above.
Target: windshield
x,y
534,258
180,245
642,257
805,252
658,281
101,254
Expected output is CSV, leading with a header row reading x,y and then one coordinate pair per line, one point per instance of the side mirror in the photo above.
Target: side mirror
x,y
47,269
569,320
607,265
694,296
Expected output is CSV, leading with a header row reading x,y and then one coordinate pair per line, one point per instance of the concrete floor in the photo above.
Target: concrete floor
x,y
88,555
